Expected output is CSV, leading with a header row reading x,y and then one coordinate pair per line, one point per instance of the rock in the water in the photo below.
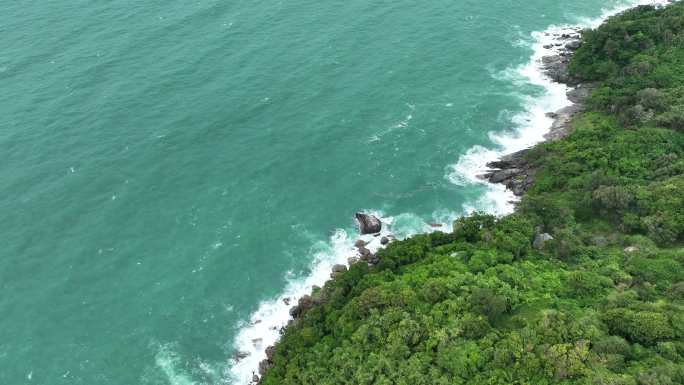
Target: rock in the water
x,y
295,311
352,260
384,240
239,355
363,251
368,224
360,243
540,240
255,378
286,300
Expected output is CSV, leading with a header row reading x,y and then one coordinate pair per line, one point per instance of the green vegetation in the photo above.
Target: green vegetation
x,y
602,303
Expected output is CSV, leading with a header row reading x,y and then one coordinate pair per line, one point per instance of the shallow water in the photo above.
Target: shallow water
x,y
167,167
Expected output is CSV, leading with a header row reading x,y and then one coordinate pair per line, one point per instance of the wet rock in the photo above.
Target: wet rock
x,y
363,251
435,225
502,175
368,224
540,240
256,341
295,311
360,243
239,355
352,260
384,241
286,301
255,378
548,46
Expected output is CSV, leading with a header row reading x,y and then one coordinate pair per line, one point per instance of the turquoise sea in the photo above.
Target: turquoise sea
x,y
168,169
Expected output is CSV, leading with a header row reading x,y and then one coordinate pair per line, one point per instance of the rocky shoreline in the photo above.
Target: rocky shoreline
x,y
514,170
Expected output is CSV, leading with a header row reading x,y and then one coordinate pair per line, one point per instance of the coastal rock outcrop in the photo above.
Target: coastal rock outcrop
x,y
368,224
513,170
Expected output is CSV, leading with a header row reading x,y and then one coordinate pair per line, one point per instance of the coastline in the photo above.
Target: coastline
x,y
510,170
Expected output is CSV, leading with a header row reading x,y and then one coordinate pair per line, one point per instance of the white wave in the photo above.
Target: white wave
x,y
532,123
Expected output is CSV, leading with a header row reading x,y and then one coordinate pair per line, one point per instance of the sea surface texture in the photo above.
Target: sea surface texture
x,y
170,171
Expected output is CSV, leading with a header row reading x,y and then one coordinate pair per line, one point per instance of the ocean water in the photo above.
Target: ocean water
x,y
170,171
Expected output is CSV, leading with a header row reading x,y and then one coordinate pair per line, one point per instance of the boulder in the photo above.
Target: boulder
x,y
352,260
264,366
384,241
368,224
339,269
360,243
373,259
631,249
573,45
255,379
540,240
269,353
305,302
363,251
295,311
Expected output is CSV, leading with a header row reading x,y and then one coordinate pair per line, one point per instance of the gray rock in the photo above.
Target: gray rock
x,y
363,251
352,260
540,240
264,366
269,353
384,240
502,175
573,45
255,379
360,243
368,224
305,302
339,268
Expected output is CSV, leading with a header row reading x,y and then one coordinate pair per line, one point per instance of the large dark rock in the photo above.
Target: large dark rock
x,y
368,224
384,241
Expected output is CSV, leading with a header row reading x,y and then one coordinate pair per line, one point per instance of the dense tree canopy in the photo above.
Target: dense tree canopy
x,y
601,303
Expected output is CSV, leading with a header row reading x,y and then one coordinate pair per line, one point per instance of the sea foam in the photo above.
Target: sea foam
x,y
530,126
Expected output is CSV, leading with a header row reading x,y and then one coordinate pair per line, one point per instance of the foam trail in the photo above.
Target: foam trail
x,y
532,123
262,329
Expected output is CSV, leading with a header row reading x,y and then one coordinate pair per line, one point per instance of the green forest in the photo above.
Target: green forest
x,y
494,302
